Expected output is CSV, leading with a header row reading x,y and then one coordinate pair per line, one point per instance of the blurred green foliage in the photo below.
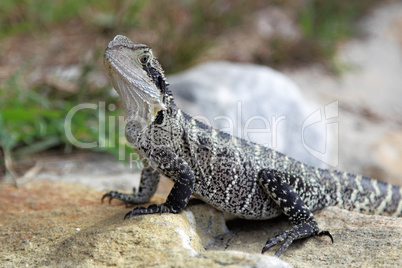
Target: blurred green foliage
x,y
185,29
326,22
37,15
34,120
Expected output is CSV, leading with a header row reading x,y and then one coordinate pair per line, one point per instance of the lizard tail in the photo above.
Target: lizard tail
x,y
361,194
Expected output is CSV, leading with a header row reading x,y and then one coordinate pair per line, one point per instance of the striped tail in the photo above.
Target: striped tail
x,y
361,194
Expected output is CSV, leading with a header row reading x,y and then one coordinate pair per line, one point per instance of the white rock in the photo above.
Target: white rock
x,y
258,104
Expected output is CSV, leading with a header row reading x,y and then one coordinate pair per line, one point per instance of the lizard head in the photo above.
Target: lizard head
x,y
138,78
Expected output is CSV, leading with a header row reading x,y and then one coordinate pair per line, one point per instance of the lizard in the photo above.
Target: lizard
x,y
233,175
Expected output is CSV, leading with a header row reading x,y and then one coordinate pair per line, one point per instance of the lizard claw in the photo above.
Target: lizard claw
x,y
111,195
128,199
276,240
134,212
299,231
151,209
327,233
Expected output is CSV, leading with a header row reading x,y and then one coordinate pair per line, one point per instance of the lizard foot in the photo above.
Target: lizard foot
x,y
128,199
151,209
302,230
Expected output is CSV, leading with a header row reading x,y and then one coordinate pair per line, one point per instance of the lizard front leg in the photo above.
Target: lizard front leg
x,y
148,185
277,186
180,172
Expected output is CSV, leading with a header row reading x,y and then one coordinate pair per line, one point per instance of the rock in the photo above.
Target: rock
x,y
60,224
258,104
359,240
50,223
92,169
386,159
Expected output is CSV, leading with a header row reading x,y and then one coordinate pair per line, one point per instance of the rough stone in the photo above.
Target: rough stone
x,y
386,159
256,103
359,240
61,224
50,223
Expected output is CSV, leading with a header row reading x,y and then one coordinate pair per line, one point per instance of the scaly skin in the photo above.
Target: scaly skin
x,y
231,174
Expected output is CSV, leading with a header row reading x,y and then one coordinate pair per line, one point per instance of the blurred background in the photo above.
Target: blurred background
x,y
51,59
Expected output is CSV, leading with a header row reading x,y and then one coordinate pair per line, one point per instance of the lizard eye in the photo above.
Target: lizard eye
x,y
144,59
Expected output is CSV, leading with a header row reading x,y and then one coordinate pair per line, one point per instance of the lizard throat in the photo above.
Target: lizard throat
x,y
142,99
141,106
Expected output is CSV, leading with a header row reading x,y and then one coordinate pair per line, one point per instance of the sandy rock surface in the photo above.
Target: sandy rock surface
x,y
47,223
61,224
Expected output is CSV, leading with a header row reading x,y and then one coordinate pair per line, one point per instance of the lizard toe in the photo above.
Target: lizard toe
x,y
110,196
288,237
302,230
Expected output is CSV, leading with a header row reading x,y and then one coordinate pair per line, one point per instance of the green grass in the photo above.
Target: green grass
x,y
34,120
326,23
185,29
17,16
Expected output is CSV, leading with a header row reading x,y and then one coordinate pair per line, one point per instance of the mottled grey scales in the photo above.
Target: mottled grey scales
x,y
231,174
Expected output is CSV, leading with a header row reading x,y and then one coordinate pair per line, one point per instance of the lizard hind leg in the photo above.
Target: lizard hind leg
x,y
277,186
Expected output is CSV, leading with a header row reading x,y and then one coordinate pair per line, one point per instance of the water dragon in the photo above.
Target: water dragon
x,y
231,174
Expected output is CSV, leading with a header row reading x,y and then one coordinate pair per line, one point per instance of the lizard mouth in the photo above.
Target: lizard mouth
x,y
141,97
